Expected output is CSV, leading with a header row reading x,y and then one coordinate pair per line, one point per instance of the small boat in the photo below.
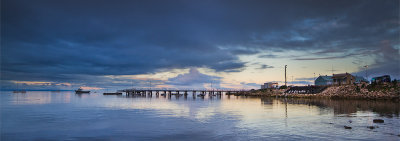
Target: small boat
x,y
116,93
80,91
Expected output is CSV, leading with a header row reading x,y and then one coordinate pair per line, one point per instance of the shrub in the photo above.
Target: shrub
x,y
358,89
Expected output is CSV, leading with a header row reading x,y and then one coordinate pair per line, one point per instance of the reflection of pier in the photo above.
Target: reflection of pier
x,y
165,92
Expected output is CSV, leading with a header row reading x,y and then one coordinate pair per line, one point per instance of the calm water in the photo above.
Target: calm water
x,y
68,116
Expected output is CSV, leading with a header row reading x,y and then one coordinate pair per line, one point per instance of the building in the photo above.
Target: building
x,y
343,79
360,79
380,79
269,85
323,80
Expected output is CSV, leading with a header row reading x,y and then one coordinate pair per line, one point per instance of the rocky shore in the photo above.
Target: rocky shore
x,y
387,92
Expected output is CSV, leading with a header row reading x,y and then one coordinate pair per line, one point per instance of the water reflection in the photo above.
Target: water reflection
x,y
339,107
81,95
38,97
39,115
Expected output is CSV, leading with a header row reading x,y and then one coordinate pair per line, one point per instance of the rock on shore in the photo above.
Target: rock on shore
x,y
334,92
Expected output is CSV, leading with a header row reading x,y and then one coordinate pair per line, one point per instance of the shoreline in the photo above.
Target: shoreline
x,y
333,92
316,96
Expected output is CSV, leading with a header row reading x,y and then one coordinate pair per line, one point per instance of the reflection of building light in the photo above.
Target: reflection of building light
x,y
40,98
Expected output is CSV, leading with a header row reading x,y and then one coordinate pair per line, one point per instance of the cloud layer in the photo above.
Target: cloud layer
x,y
58,41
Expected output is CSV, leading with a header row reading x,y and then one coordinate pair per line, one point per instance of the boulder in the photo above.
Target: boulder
x,y
378,121
347,127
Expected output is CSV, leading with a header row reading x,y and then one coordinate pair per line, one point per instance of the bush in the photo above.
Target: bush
x,y
283,87
358,89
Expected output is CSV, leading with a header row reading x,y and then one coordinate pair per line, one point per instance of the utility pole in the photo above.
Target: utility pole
x,y
285,75
292,80
314,78
211,85
366,68
150,84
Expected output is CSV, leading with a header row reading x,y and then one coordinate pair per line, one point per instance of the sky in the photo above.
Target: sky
x,y
219,44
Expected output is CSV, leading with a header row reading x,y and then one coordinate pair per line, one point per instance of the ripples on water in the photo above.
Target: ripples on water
x,y
69,116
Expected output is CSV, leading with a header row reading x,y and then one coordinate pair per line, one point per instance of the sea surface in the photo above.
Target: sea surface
x,y
46,115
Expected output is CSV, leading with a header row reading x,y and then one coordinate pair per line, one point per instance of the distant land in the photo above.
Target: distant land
x,y
33,90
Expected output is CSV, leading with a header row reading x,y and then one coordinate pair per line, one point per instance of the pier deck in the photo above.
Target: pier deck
x,y
178,91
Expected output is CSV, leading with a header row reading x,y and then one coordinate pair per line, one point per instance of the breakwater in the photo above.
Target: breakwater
x,y
387,92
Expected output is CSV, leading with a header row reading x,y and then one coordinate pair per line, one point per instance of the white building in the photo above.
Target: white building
x,y
269,85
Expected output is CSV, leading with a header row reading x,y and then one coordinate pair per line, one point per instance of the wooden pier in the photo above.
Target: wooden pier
x,y
185,92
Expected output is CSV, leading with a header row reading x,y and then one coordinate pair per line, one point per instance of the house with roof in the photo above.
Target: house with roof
x,y
380,79
360,79
323,80
269,85
343,79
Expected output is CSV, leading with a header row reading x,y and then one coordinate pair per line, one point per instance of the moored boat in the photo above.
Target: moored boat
x,y
80,91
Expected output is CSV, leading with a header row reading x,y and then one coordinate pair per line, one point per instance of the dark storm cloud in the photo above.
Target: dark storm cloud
x,y
52,39
107,38
244,52
265,67
346,55
387,62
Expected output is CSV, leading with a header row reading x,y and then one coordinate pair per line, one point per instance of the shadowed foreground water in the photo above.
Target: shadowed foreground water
x,y
69,116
